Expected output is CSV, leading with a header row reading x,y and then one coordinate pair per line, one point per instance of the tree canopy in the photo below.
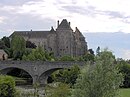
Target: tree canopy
x,y
101,79
18,46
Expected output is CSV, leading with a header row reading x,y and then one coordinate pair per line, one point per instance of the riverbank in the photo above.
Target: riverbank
x,y
29,91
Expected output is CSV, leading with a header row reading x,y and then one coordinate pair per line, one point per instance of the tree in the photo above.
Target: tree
x,y
124,67
29,44
101,79
88,57
68,75
7,86
6,41
98,50
91,51
36,54
2,45
18,46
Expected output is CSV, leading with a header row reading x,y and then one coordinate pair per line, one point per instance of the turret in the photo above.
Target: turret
x,y
52,29
58,23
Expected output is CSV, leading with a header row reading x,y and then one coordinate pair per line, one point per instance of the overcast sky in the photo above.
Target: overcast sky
x,y
88,15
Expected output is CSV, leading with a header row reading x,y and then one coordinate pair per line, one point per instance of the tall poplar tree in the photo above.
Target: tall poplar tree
x,y
101,79
18,46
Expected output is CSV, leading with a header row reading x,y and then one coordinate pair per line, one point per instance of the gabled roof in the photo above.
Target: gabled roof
x,y
32,34
52,30
64,25
78,32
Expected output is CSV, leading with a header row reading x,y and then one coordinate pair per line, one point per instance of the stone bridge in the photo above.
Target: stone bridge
x,y
38,70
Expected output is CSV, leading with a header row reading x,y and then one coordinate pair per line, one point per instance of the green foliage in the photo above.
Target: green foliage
x,y
37,54
7,86
98,50
101,79
57,90
67,58
2,45
6,41
29,44
88,57
18,46
9,52
125,69
67,76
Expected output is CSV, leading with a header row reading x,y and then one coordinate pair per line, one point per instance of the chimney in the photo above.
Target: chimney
x,y
57,23
69,23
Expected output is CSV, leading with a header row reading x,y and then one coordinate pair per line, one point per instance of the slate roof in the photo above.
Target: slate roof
x,y
32,34
78,32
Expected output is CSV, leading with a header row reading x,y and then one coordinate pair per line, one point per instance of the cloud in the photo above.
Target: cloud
x,y
126,54
14,2
88,15
2,19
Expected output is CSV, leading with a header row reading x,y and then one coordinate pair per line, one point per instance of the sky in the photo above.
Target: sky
x,y
90,16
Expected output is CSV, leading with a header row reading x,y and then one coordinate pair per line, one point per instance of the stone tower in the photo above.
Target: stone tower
x,y
64,39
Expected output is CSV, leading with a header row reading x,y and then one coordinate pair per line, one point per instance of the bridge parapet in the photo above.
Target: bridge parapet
x,y
38,68
19,62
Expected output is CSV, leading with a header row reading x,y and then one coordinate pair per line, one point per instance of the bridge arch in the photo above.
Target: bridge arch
x,y
46,74
15,71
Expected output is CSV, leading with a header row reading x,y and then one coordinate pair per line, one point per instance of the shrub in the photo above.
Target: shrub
x,y
7,86
67,75
67,58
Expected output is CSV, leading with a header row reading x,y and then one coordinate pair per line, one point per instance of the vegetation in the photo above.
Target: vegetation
x,y
124,93
18,46
100,80
124,67
67,58
103,78
7,86
29,44
89,57
38,54
57,90
6,41
68,75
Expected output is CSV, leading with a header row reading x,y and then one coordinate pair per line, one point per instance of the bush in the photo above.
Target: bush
x,y
67,58
7,86
67,75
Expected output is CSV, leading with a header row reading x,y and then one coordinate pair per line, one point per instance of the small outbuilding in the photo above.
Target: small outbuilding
x,y
3,55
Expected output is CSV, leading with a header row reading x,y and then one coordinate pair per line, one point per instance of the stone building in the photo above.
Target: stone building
x,y
62,40
3,55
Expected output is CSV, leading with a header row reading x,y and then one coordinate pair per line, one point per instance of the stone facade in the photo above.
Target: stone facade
x,y
3,55
62,41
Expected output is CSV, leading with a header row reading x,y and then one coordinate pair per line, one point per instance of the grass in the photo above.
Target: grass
x,y
124,92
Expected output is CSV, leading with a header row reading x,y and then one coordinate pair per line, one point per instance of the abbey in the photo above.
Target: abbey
x,y
62,40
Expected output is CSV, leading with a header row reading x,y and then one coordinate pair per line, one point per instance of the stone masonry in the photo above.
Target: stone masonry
x,y
61,41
